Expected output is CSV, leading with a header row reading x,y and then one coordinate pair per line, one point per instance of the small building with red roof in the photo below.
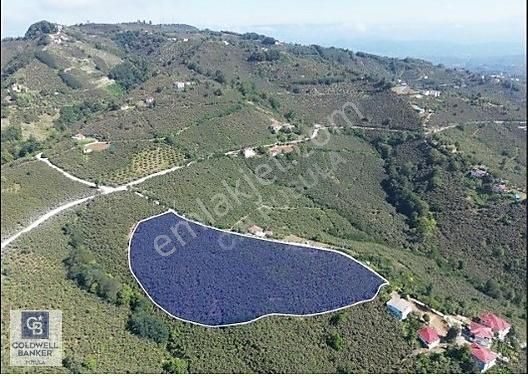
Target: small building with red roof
x,y
498,325
484,358
429,337
480,334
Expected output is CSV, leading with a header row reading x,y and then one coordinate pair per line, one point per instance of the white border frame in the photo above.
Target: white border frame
x,y
386,282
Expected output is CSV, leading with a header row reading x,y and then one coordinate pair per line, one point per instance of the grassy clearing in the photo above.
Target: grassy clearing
x,y
502,147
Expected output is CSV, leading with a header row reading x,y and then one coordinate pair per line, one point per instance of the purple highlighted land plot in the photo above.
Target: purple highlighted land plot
x,y
217,278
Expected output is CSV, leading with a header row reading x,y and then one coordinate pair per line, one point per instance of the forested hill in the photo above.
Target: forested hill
x,y
430,190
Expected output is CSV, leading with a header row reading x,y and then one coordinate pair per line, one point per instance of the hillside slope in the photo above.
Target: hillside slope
x,y
374,156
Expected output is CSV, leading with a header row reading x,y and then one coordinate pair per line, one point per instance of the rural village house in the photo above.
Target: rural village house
x,y
429,337
400,308
484,358
480,334
499,326
79,137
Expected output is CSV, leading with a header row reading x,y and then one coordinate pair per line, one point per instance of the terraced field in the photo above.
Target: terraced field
x,y
120,163
144,163
500,146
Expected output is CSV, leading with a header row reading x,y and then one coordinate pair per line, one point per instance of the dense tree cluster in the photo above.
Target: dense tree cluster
x,y
129,73
39,28
270,55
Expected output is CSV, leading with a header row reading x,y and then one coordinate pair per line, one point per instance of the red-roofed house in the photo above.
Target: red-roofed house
x,y
485,358
429,337
499,326
480,334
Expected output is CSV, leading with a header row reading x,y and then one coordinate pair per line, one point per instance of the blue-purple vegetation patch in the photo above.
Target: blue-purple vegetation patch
x,y
215,278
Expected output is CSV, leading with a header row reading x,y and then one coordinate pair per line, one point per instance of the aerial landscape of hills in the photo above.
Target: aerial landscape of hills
x,y
414,169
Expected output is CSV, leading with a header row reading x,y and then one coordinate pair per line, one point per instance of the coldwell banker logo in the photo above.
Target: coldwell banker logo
x,y
36,338
35,325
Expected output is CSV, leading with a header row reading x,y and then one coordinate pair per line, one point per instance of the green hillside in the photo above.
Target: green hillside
x,y
369,155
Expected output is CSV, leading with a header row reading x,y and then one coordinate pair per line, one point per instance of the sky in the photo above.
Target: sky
x,y
403,27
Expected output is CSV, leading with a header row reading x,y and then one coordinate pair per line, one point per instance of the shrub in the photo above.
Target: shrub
x,y
219,76
70,80
335,341
144,325
175,366
268,40
46,58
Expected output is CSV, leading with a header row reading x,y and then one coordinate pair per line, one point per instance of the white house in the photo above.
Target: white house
x,y
79,137
418,109
257,231
249,153
484,358
399,307
180,85
431,93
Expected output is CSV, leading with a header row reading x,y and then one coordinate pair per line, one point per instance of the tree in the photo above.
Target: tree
x,y
338,318
175,365
108,289
275,104
452,334
335,341
268,40
219,76
73,365
90,363
426,318
144,325
128,74
124,296
491,288
40,28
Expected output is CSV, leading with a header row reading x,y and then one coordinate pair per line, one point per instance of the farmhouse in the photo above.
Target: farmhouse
x,y
249,153
403,89
256,230
499,326
429,337
484,358
400,308
431,93
180,85
480,334
79,137
478,172
280,149
499,188
149,100
275,126
418,109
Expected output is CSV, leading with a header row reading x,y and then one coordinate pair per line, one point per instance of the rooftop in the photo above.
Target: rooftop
x,y
494,322
400,304
482,354
479,330
428,335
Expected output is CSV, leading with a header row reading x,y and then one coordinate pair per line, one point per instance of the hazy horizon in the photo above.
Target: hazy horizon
x,y
423,29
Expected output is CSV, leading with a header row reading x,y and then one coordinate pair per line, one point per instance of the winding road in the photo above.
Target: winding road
x,y
104,190
101,190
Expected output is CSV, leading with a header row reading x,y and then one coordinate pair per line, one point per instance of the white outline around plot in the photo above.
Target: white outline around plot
x,y
386,282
